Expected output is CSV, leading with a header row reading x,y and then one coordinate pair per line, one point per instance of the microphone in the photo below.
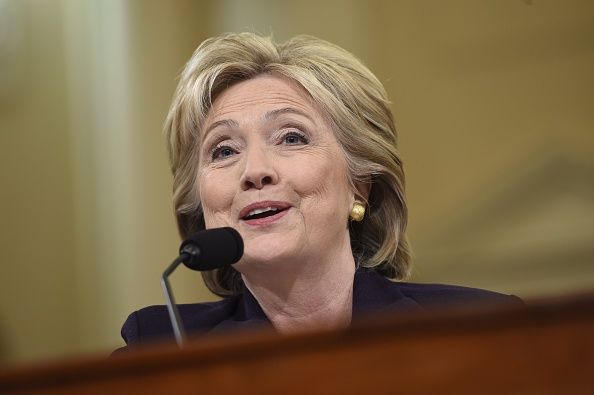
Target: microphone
x,y
205,250
212,249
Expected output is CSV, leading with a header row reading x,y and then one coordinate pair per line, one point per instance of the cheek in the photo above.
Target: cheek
x,y
216,197
322,182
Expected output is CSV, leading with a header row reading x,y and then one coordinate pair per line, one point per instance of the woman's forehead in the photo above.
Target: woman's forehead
x,y
261,93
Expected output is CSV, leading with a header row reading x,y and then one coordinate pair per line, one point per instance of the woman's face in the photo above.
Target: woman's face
x,y
271,168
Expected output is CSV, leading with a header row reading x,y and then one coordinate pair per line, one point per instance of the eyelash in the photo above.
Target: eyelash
x,y
217,150
294,133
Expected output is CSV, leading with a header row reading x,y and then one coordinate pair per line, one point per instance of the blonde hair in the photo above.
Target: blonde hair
x,y
358,108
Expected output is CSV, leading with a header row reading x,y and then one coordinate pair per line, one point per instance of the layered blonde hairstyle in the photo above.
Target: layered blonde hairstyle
x,y
351,97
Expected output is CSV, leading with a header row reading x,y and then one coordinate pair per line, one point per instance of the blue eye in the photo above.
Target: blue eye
x,y
295,138
222,152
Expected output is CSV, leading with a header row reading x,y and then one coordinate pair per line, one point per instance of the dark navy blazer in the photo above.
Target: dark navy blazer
x,y
371,293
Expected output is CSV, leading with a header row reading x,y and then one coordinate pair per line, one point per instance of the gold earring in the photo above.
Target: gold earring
x,y
358,211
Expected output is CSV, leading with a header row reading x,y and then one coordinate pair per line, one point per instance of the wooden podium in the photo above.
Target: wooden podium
x,y
543,348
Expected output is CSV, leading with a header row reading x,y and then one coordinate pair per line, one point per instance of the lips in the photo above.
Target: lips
x,y
264,212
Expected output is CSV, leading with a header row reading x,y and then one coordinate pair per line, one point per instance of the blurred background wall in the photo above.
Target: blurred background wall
x,y
494,103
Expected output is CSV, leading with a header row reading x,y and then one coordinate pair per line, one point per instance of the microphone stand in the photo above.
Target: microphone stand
x,y
178,329
225,239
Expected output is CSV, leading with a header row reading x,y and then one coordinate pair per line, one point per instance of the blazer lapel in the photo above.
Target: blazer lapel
x,y
248,314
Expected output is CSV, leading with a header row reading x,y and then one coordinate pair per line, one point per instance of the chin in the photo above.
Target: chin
x,y
269,254
269,249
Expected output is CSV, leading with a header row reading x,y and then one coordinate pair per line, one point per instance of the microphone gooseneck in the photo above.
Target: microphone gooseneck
x,y
178,329
205,250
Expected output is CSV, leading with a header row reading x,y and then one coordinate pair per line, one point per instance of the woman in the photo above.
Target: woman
x,y
294,146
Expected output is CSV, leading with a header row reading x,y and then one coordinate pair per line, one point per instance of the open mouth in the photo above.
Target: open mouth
x,y
263,212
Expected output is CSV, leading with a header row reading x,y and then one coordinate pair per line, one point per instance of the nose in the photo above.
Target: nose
x,y
259,170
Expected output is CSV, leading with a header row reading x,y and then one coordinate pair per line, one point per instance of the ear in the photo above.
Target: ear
x,y
362,191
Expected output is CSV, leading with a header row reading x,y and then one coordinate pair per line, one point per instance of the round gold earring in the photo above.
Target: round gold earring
x,y
358,211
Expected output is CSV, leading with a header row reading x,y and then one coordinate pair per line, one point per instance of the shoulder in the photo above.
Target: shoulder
x,y
437,295
152,323
373,292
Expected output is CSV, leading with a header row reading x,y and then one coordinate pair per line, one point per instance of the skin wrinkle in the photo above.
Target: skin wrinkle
x,y
301,268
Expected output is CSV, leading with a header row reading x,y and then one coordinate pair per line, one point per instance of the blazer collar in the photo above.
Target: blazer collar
x,y
371,293
374,293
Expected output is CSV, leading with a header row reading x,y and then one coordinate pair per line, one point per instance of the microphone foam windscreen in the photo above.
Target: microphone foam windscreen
x,y
217,247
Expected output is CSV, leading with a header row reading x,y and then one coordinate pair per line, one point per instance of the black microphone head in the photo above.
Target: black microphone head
x,y
212,248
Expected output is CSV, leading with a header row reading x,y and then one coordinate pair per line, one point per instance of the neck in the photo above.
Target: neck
x,y
310,294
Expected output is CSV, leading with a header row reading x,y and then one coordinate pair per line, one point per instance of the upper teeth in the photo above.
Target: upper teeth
x,y
261,210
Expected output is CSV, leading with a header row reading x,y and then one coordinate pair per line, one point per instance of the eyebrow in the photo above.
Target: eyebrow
x,y
267,117
223,122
